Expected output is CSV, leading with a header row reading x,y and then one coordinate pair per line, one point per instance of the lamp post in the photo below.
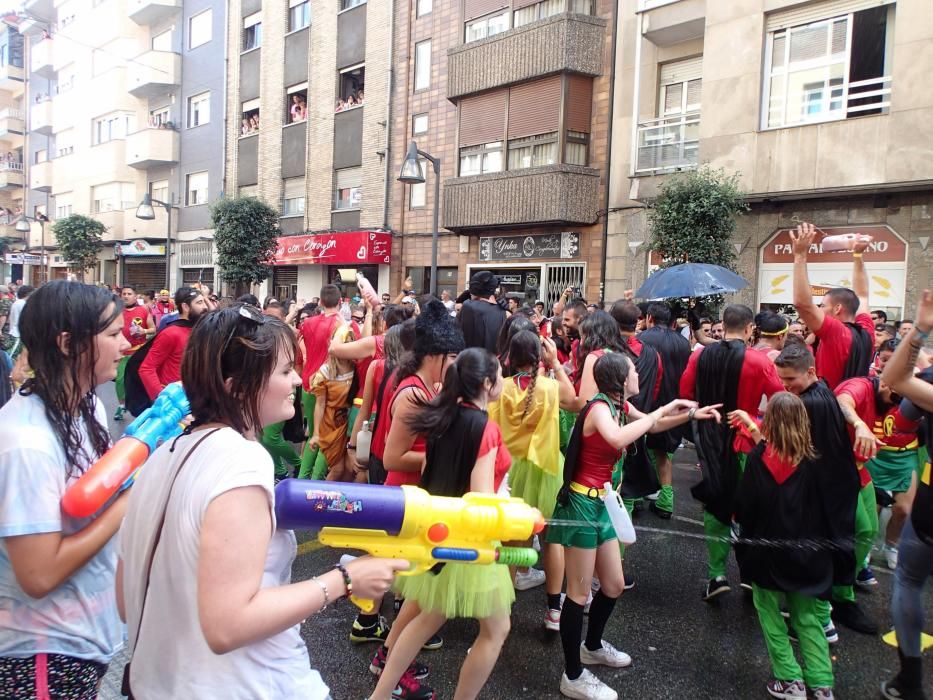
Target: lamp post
x,y
145,212
24,227
412,174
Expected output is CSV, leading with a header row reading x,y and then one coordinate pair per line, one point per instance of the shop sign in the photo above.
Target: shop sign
x,y
510,279
345,248
23,259
887,246
532,247
137,249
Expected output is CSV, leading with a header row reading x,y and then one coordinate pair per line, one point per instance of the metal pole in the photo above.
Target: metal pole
x,y
168,247
436,162
45,262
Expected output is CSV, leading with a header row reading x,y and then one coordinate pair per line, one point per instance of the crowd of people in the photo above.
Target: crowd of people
x,y
804,426
354,99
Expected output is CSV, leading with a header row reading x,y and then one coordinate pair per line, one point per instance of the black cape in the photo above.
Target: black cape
x,y
836,476
137,400
789,511
451,455
640,477
860,353
674,351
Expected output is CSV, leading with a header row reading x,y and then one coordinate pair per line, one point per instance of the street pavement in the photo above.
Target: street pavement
x,y
681,647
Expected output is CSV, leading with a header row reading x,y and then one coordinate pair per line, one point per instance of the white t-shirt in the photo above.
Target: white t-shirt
x,y
15,311
79,618
277,668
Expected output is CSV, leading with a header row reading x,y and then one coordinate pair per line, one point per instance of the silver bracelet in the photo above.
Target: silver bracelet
x,y
323,586
691,413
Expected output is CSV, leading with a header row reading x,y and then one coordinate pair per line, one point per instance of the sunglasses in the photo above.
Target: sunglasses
x,y
359,319
250,313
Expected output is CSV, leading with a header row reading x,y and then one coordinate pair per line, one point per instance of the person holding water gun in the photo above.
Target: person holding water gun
x,y
57,572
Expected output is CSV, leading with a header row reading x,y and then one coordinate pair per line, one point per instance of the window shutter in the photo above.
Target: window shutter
x,y
682,71
294,188
349,177
579,103
250,105
477,8
253,19
534,108
813,12
482,118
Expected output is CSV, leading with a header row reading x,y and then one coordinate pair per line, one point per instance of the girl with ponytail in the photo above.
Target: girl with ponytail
x,y
465,452
527,413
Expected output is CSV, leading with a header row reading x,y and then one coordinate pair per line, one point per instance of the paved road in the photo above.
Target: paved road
x,y
681,647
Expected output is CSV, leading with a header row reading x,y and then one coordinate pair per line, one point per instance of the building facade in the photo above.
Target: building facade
x,y
819,106
513,98
118,105
308,105
13,255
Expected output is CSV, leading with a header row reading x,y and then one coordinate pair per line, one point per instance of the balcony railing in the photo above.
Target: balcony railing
x,y
11,123
152,147
831,102
11,175
43,58
668,143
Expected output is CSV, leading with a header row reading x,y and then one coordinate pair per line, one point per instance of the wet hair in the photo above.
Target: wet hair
x,y
83,312
883,314
599,331
845,297
250,299
887,346
736,317
525,351
513,324
240,344
660,312
786,427
393,314
185,295
330,296
795,356
307,311
626,314
610,372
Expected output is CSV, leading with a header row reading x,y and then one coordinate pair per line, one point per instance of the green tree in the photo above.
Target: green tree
x,y
694,217
245,233
79,238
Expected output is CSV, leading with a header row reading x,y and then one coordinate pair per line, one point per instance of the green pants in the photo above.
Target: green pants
x,y
665,500
121,373
804,617
309,457
284,457
718,535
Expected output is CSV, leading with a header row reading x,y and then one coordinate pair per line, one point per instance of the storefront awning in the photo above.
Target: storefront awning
x,y
343,248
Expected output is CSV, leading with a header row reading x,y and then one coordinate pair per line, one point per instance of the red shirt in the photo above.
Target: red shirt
x,y
135,317
835,343
317,332
757,376
378,444
362,366
492,438
394,478
162,364
597,459
862,391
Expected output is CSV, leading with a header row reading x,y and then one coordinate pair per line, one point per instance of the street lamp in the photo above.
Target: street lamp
x,y
412,174
145,212
24,227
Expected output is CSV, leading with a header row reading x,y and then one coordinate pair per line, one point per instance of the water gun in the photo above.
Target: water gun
x,y
118,465
406,522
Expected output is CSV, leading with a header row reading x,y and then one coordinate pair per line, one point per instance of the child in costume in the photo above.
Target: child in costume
x,y
465,452
599,438
779,498
527,413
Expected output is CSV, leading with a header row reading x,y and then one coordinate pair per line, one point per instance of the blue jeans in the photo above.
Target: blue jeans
x,y
914,567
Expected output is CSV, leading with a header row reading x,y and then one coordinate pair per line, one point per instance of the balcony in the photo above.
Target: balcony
x,y
40,118
42,8
11,176
150,148
42,59
40,176
562,43
12,126
146,12
11,77
154,72
668,143
113,222
670,22
552,194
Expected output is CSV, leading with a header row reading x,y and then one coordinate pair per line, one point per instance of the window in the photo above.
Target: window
x,y
417,196
113,126
249,191
681,87
299,14
293,200
576,147
41,156
348,190
533,151
419,124
63,205
196,188
160,118
349,4
827,69
249,117
159,190
252,31
351,87
424,8
199,109
422,65
112,196
296,103
485,27
163,41
485,158
64,143
199,29
549,8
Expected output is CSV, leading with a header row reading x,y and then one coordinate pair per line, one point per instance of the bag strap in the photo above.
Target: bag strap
x,y
158,536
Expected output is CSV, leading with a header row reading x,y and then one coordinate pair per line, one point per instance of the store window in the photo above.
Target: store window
x,y
485,27
344,277
252,31
299,14
348,189
351,87
483,158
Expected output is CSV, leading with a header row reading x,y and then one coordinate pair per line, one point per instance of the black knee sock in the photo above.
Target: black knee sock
x,y
571,631
600,610
366,621
553,601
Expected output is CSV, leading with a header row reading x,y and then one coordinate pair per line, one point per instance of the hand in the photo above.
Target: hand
x,y
628,294
677,406
866,444
708,412
739,419
407,284
568,292
924,319
803,240
314,442
861,243
550,353
371,577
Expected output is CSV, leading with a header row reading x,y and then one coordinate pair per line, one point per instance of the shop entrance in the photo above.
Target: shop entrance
x,y
345,278
545,281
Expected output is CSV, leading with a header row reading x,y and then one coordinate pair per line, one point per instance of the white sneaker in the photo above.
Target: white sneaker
x,y
552,620
653,496
890,556
586,687
530,579
608,655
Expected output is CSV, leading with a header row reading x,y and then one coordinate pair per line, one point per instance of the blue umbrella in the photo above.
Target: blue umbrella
x,y
690,280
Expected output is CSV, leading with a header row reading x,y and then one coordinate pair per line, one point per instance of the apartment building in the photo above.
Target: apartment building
x,y
119,97
308,105
513,97
820,106
13,244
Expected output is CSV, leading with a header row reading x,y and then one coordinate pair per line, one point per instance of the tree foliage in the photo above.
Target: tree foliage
x,y
693,218
79,238
245,233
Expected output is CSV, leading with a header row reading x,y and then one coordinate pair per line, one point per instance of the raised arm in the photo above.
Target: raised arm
x,y
859,276
355,349
899,371
567,397
803,294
